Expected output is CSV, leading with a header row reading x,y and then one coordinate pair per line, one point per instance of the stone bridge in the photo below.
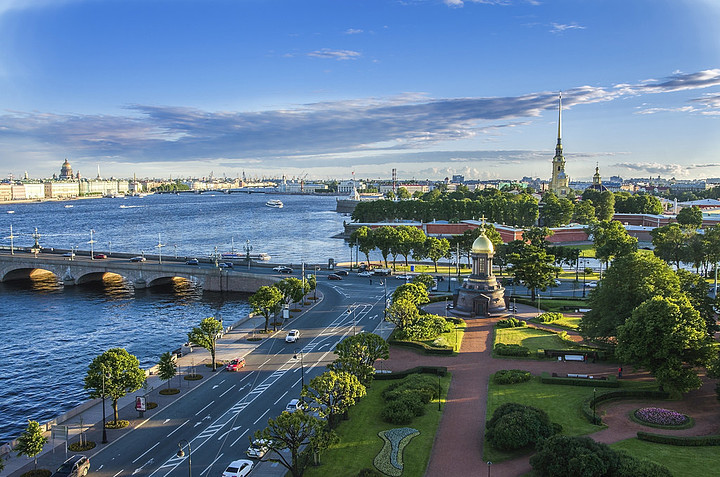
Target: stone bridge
x,y
81,269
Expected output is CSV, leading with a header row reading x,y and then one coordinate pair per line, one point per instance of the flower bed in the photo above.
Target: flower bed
x,y
389,459
660,417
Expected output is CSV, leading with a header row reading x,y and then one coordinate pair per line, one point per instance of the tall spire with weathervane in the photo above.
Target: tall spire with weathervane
x,y
559,181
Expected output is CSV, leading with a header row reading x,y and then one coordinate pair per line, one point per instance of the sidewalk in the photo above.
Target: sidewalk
x,y
88,415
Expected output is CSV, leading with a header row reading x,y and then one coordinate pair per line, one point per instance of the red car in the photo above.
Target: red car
x,y
99,256
236,364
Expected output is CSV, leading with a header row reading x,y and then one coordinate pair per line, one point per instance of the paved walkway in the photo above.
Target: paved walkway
x,y
458,446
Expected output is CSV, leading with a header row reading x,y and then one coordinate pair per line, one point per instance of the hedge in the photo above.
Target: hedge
x,y
511,323
435,370
611,382
511,350
427,349
587,407
511,376
688,441
549,316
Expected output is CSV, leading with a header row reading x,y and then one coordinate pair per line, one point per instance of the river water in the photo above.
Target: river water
x,y
50,333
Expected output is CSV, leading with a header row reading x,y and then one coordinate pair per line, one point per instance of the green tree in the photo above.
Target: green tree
x,y
333,393
390,195
312,284
425,280
384,238
291,289
670,243
206,336
166,367
321,441
436,249
290,431
605,206
610,240
403,313
122,375
555,212
408,238
690,217
413,292
584,213
668,337
31,441
698,292
363,237
630,280
403,193
266,301
533,267
538,236
357,355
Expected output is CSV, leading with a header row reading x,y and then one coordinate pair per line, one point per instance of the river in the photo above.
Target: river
x,y
52,333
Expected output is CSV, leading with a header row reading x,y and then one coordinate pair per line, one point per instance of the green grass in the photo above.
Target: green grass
x,y
569,322
562,403
703,461
452,338
532,339
359,442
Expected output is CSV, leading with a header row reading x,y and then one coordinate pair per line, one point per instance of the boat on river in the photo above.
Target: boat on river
x,y
274,203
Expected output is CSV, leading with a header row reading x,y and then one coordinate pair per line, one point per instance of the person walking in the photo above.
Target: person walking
x,y
620,372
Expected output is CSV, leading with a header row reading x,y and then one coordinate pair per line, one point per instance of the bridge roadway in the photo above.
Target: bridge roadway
x,y
82,268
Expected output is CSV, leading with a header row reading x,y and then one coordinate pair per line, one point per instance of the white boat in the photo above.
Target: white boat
x,y
68,206
274,203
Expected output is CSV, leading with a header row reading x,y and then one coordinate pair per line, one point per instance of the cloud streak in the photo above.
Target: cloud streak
x,y
317,132
330,54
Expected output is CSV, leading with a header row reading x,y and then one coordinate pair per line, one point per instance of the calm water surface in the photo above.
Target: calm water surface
x,y
51,333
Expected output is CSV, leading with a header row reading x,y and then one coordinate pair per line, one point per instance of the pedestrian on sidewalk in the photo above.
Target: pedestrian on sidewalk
x,y
620,372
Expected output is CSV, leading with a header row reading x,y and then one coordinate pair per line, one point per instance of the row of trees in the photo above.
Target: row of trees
x,y
328,397
268,299
403,240
507,207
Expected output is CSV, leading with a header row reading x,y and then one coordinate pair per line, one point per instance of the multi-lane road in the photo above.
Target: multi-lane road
x,y
217,417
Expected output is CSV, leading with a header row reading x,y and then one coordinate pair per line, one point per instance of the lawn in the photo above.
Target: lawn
x,y
569,322
703,461
451,338
562,403
532,339
360,443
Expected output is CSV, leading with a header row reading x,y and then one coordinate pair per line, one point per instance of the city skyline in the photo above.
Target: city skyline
x,y
432,88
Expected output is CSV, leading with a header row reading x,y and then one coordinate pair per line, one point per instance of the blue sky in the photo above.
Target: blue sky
x,y
430,87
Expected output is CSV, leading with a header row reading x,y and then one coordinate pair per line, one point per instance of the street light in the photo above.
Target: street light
x,y
594,418
104,437
248,248
302,366
12,243
489,464
181,453
584,270
159,246
92,242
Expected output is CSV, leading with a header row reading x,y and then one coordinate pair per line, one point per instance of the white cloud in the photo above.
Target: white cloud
x,y
561,27
656,168
353,31
335,54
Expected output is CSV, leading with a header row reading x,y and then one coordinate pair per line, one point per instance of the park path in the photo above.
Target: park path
x,y
458,446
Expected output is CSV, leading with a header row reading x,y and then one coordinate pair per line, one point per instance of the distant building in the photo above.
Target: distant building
x,y
458,178
559,183
66,172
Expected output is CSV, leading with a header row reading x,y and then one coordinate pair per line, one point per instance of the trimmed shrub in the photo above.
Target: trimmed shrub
x,y
422,385
396,412
431,370
511,323
687,441
550,316
426,327
511,376
630,466
503,349
514,426
611,382
369,473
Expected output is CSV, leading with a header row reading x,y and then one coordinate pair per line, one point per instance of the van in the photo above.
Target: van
x,y
293,406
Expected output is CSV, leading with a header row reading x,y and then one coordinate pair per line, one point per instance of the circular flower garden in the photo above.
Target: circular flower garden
x,y
657,416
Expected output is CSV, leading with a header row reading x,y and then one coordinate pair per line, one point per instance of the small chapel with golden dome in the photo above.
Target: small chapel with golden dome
x,y
480,294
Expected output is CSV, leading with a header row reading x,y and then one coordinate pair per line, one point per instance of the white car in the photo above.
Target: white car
x,y
404,276
238,468
365,274
592,284
293,406
257,449
292,336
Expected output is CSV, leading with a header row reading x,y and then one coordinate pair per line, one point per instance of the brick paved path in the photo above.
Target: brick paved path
x,y
458,446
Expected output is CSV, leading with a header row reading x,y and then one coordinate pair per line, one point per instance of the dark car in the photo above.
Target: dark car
x,y
193,261
99,256
75,466
342,273
137,259
283,269
225,265
334,276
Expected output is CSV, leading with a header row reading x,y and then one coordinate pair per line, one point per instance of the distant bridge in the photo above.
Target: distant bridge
x,y
82,269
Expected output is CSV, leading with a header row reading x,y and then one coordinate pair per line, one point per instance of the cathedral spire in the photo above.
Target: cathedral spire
x,y
559,117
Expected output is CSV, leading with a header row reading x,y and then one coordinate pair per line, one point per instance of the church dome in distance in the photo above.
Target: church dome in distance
x,y
482,244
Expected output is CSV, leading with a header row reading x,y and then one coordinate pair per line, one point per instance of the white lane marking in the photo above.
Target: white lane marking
x,y
177,428
141,455
101,466
121,471
222,381
207,406
142,466
216,386
263,414
239,437
248,375
207,469
197,424
228,432
227,391
278,400
321,347
266,362
166,421
296,383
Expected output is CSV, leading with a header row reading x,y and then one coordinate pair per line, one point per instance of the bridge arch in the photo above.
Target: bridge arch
x,y
25,273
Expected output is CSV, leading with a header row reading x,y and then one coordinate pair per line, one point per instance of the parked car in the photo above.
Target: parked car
x,y
225,265
99,256
334,276
75,466
283,269
592,284
137,259
365,274
236,364
292,336
238,468
404,276
557,282
192,261
257,449
68,254
342,273
293,405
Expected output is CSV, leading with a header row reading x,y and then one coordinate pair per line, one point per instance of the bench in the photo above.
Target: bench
x,y
574,357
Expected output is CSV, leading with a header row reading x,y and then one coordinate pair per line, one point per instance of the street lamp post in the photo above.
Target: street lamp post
x,y
584,270
594,418
302,367
248,248
160,245
489,463
439,391
181,453
92,242
104,437
109,247
12,243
